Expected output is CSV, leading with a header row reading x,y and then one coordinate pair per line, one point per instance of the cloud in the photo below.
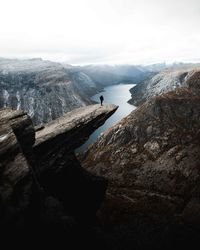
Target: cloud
x,y
106,31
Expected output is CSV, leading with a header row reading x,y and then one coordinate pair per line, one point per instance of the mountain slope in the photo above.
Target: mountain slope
x,y
162,82
44,89
151,160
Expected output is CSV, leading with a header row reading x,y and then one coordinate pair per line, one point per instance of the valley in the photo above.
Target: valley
x,y
118,95
136,181
47,90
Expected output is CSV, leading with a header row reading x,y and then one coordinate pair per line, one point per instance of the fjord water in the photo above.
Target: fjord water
x,y
118,95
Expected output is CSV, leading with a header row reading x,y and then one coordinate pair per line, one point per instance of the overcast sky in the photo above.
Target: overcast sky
x,y
101,31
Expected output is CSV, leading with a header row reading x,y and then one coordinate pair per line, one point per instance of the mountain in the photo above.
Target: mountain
x,y
167,80
139,188
109,75
47,90
151,160
157,67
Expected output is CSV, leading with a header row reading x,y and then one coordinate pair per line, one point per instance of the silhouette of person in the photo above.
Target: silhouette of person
x,y
101,99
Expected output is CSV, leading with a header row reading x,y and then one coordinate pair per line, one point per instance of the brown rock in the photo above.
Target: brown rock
x,y
165,131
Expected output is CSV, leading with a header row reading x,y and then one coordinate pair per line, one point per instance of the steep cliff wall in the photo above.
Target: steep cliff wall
x,y
45,194
151,160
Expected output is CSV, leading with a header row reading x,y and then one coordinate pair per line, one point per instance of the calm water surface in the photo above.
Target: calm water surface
x,y
118,95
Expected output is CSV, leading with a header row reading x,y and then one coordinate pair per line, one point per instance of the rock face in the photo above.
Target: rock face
x,y
57,141
70,130
163,82
151,160
16,131
43,189
44,89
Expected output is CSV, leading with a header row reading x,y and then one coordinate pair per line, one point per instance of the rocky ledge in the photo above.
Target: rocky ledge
x,y
70,131
151,160
44,191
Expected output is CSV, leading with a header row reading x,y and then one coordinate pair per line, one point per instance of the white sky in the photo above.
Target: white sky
x,y
101,31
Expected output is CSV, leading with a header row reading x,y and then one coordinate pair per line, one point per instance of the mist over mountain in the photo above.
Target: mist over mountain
x,y
109,75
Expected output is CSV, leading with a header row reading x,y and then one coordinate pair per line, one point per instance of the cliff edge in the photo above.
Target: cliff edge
x,y
45,194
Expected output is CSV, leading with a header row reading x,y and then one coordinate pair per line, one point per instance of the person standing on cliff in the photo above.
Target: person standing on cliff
x,y
101,99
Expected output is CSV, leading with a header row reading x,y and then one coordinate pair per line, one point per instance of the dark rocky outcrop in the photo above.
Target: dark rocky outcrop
x,y
54,147
16,134
151,160
45,194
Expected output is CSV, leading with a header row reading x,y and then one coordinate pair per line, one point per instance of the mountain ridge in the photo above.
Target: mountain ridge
x,y
162,82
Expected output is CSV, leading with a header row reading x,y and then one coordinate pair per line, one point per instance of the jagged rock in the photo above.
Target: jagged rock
x,y
151,160
68,133
43,186
16,139
54,148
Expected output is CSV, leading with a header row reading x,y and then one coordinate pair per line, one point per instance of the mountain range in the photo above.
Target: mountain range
x,y
137,187
47,90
